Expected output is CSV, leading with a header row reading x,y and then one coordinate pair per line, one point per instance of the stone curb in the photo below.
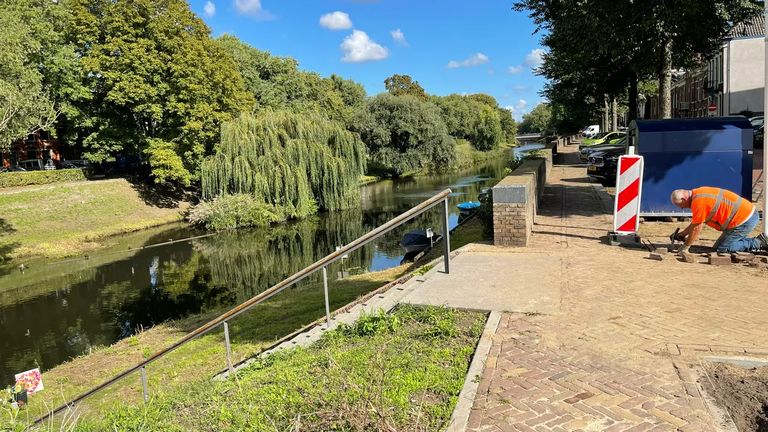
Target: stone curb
x,y
460,416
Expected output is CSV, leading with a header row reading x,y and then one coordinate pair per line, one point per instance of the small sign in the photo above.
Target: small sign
x,y
712,109
32,380
430,234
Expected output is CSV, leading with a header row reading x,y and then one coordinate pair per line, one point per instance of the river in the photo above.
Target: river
x,y
55,310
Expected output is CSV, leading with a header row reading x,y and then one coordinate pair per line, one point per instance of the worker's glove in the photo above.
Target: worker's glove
x,y
680,237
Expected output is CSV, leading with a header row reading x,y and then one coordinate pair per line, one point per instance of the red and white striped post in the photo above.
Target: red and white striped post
x,y
629,187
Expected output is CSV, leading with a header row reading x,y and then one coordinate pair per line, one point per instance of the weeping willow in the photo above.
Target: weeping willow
x,y
297,162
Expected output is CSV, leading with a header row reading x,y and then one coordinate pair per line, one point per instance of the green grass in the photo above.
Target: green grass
x,y
200,359
69,218
400,371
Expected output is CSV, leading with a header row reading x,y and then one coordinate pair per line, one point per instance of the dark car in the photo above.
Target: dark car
x,y
601,165
585,151
758,129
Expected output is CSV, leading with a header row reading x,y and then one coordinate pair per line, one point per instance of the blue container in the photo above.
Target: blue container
x,y
689,153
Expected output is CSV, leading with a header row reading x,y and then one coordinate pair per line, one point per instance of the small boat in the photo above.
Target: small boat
x,y
416,241
469,206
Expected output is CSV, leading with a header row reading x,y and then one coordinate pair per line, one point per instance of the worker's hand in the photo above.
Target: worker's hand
x,y
680,237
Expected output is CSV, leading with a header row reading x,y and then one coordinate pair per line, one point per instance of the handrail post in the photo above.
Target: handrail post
x,y
446,239
327,303
144,387
229,348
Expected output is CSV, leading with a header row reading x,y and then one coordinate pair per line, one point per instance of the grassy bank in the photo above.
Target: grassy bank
x,y
400,371
197,361
69,218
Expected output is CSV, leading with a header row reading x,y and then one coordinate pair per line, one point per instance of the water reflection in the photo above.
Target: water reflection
x,y
57,310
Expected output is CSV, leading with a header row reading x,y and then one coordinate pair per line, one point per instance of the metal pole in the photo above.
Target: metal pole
x,y
144,383
327,304
229,348
446,239
765,137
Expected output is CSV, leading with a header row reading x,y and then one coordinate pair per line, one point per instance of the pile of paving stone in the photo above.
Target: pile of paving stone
x,y
714,258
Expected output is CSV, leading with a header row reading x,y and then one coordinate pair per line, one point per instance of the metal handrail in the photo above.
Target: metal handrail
x,y
275,289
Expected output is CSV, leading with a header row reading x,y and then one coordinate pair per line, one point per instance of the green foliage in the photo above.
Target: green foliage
x,y
167,167
627,42
151,72
539,120
28,59
29,178
508,126
404,85
371,324
404,134
233,211
276,83
295,162
404,376
476,118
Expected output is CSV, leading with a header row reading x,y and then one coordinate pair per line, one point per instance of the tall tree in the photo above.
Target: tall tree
x,y
404,134
36,67
296,162
401,85
158,85
539,120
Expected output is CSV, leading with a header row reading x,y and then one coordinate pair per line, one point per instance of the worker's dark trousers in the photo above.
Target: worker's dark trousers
x,y
736,240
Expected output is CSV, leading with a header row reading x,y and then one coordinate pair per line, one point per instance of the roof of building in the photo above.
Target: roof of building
x,y
751,27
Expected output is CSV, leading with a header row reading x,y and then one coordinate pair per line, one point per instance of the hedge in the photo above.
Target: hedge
x,y
28,178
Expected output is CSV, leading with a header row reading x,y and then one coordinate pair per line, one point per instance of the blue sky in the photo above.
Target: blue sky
x,y
448,46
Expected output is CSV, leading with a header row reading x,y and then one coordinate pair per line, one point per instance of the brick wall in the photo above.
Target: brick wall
x,y
515,200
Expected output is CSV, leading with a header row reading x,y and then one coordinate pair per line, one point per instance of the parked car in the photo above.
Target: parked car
x,y
602,165
590,131
31,164
584,152
74,163
14,168
603,138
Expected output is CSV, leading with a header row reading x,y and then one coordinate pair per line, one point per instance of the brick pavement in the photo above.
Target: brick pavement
x,y
622,352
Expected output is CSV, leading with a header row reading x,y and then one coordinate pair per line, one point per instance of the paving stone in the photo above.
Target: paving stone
x,y
719,259
657,256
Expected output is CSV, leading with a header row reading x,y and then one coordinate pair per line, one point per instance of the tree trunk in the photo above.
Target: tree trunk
x,y
606,111
614,114
632,98
665,80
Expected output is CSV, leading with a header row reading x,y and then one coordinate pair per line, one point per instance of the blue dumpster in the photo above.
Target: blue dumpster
x,y
688,153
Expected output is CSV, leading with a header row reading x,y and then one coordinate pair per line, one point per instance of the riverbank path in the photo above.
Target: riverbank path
x,y
594,337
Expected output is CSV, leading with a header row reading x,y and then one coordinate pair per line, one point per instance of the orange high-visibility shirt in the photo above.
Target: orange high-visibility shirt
x,y
719,208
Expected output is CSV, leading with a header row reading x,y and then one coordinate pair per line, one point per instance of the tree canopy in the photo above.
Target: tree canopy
x,y
296,162
539,120
404,134
404,85
602,48
158,86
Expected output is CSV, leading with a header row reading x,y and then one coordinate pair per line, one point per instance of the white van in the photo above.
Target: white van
x,y
591,131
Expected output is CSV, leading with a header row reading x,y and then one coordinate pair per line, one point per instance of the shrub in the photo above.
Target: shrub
x,y
234,211
28,178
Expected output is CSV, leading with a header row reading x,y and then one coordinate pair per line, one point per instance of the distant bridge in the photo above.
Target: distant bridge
x,y
529,137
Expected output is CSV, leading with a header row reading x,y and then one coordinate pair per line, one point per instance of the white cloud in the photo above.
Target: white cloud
x,y
399,37
515,69
473,60
336,21
535,58
248,7
358,47
518,109
209,9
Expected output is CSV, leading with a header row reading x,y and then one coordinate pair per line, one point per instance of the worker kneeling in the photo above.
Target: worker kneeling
x,y
724,211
